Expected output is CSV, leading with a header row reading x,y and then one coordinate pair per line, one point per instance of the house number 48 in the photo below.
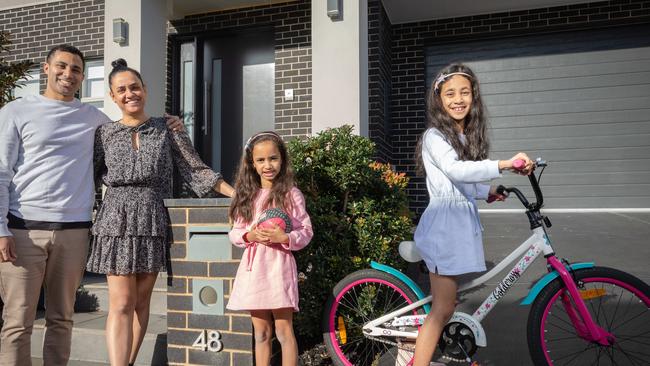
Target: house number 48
x,y
209,340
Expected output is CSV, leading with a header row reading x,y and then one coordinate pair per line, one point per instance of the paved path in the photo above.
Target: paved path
x,y
39,362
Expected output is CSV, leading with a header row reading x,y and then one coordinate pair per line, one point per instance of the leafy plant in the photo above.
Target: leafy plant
x,y
10,73
359,212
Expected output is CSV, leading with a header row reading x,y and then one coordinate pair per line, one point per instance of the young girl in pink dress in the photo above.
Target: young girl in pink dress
x,y
267,283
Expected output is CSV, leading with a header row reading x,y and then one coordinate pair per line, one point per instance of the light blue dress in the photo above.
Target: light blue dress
x,y
449,234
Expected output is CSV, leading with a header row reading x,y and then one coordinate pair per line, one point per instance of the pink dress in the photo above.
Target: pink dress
x,y
267,277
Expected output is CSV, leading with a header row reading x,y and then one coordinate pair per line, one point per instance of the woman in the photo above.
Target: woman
x,y
134,158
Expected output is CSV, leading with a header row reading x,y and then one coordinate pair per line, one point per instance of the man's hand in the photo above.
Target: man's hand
x,y
174,123
7,249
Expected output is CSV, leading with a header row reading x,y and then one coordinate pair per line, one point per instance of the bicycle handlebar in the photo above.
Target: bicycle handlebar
x,y
519,164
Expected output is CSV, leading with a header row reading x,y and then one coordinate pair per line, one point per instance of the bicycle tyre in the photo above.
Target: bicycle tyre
x,y
361,296
617,301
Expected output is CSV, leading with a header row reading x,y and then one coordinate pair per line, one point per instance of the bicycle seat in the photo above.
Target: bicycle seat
x,y
408,251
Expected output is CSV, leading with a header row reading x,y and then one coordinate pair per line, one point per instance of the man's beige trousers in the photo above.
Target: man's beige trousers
x,y
56,260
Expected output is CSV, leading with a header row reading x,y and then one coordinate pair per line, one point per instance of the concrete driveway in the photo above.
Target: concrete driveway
x,y
617,240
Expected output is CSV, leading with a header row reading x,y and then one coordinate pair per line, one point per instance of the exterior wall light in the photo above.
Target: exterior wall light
x,y
120,31
335,9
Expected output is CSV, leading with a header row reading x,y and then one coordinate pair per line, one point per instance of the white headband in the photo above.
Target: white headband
x,y
444,77
260,134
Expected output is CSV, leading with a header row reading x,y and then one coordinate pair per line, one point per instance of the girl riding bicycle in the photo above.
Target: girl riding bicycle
x,y
453,153
270,221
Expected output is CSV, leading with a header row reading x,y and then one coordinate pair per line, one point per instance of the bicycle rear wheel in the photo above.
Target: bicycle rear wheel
x,y
618,302
360,297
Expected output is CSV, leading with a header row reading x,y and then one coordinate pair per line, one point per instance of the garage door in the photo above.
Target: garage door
x,y
581,100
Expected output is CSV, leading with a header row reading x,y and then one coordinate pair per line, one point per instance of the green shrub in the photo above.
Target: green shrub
x,y
359,212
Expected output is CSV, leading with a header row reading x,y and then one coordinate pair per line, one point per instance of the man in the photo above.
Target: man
x,y
46,197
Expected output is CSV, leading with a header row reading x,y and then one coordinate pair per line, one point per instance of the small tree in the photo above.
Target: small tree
x,y
359,212
10,73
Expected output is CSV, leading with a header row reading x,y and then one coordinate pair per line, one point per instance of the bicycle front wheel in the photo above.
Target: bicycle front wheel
x,y
360,297
618,302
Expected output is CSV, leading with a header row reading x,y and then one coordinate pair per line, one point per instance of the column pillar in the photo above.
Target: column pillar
x,y
144,51
340,66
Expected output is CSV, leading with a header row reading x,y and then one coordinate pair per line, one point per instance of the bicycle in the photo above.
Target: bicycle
x,y
581,314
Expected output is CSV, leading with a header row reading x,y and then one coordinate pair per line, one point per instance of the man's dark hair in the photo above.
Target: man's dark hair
x,y
66,48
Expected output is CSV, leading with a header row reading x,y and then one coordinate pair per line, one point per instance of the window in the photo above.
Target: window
x,y
92,89
187,87
31,86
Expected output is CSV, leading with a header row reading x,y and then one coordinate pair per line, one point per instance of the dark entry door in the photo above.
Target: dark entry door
x,y
235,95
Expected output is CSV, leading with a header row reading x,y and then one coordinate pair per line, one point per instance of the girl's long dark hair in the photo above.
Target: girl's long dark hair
x,y
476,144
248,182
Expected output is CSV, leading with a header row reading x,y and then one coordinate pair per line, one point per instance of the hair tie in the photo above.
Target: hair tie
x,y
442,77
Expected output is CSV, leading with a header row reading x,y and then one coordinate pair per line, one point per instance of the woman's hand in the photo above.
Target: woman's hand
x,y
224,188
174,123
276,235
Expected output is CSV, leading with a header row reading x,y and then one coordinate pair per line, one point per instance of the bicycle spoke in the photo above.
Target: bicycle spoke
x,y
632,339
620,297
570,330
560,339
611,356
554,315
600,304
386,299
599,351
645,355
627,309
644,312
349,306
398,302
629,356
575,355
610,324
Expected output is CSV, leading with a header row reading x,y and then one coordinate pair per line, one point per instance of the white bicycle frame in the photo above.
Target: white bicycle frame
x,y
530,249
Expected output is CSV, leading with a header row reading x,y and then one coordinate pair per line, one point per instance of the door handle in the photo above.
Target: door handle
x,y
207,107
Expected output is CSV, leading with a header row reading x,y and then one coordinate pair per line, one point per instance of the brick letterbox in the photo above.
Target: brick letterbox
x,y
203,266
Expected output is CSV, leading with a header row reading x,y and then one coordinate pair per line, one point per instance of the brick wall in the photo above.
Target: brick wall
x,y
291,22
192,266
380,39
408,71
37,28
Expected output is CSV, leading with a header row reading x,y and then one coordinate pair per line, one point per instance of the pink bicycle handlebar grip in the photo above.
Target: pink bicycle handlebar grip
x,y
519,164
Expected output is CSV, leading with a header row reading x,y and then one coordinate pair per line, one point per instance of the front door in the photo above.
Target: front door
x,y
234,85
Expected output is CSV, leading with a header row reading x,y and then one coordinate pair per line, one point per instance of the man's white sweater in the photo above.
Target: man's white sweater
x,y
46,153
